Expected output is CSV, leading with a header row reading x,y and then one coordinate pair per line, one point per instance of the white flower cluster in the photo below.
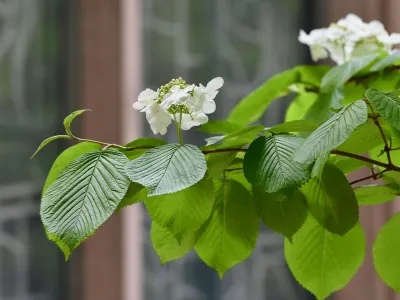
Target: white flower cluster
x,y
188,105
348,38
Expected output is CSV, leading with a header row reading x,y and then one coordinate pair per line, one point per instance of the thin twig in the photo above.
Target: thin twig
x,y
374,176
376,122
233,169
223,150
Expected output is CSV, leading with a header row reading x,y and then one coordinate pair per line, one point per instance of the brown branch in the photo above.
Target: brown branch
x,y
374,176
376,122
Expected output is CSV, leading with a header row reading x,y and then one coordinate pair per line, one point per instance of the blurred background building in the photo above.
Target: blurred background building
x,y
60,55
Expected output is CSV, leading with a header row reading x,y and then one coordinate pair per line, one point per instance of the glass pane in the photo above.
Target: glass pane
x,y
30,266
245,42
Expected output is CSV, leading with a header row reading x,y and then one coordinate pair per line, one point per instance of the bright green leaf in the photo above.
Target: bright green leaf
x,y
135,194
276,87
166,245
333,132
66,158
68,120
49,140
142,145
295,126
168,169
375,194
231,234
323,262
387,105
84,196
347,164
268,163
281,213
386,251
220,127
319,165
340,74
331,200
364,138
323,108
299,106
386,62
184,211
218,162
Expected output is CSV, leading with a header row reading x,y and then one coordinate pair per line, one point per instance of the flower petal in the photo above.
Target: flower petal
x,y
215,84
209,106
147,94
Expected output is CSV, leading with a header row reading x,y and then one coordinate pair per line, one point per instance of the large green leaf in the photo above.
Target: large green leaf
x,y
281,213
167,246
65,158
68,120
364,138
142,145
387,105
323,262
220,127
231,234
331,200
321,110
168,169
386,62
295,126
135,194
184,211
340,74
333,132
299,106
347,164
375,194
49,140
83,197
276,87
386,251
268,163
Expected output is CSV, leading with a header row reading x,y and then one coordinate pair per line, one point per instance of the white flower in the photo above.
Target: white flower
x,y
348,38
176,96
203,100
191,120
146,98
158,118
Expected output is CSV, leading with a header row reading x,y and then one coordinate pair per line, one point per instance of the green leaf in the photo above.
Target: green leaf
x,y
135,194
268,163
66,158
238,138
166,245
299,106
276,87
333,132
68,120
295,126
184,211
323,262
220,127
331,200
387,81
387,105
142,145
218,162
83,197
49,140
347,164
340,74
375,194
364,138
319,165
386,62
168,169
322,108
281,213
231,234
386,251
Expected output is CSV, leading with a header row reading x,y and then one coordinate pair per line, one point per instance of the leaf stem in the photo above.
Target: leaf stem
x,y
374,117
374,176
